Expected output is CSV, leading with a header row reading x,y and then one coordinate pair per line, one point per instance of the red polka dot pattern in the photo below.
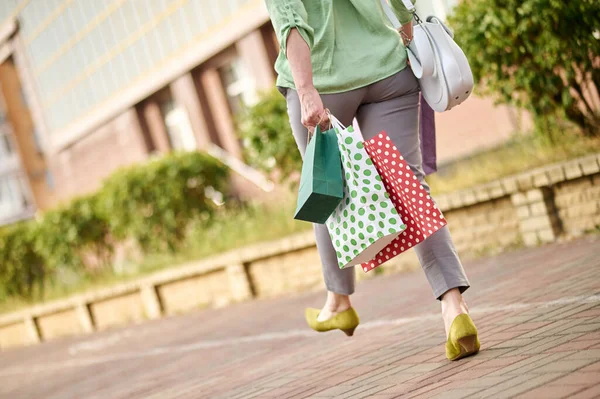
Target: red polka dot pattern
x,y
415,206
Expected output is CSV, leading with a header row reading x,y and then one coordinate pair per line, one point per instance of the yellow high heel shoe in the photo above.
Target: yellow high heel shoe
x,y
347,321
462,340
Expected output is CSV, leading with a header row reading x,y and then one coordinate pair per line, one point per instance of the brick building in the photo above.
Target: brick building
x,y
89,86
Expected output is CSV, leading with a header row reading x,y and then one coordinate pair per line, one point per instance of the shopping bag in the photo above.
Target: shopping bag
x,y
366,220
427,137
321,183
410,199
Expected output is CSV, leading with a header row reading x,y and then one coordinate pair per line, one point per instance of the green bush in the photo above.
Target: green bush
x,y
268,138
153,203
21,266
538,54
65,235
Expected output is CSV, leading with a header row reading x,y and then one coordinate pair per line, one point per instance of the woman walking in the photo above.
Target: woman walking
x,y
342,55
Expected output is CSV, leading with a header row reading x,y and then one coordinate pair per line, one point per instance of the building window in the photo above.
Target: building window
x,y
8,155
15,198
6,147
14,201
239,86
179,128
176,122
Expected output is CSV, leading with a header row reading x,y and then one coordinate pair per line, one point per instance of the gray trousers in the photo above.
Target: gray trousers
x,y
391,105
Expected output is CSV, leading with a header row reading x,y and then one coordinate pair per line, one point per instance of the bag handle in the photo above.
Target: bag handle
x,y
335,122
409,6
317,129
420,52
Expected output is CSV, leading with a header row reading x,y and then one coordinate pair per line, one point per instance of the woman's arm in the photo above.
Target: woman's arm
x,y
405,17
298,54
296,37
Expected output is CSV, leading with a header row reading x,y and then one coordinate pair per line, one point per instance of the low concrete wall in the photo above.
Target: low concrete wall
x,y
534,207
484,227
538,206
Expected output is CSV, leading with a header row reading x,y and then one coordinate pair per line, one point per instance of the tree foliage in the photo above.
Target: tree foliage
x,y
538,54
268,137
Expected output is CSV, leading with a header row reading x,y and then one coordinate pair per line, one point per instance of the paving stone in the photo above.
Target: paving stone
x,y
593,354
572,346
550,329
592,368
535,310
485,381
502,362
457,393
341,390
418,358
546,344
588,393
579,377
424,367
399,389
569,312
524,366
428,389
551,391
368,392
304,392
563,365
584,328
593,336
490,353
517,386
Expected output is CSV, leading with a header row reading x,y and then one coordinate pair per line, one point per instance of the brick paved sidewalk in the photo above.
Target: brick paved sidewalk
x,y
537,310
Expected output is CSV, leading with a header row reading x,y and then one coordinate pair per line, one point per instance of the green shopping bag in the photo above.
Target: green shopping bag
x,y
321,182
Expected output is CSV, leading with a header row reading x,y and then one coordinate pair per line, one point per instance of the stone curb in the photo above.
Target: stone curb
x,y
220,262
540,177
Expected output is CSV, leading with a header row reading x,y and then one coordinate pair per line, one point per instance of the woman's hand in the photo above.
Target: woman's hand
x,y
313,111
298,53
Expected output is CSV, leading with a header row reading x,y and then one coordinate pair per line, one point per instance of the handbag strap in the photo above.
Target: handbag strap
x,y
392,17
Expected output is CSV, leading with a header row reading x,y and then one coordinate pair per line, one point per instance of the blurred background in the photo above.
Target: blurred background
x,y
96,85
140,134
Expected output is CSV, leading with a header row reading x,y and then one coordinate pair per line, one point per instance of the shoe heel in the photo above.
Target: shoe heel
x,y
467,344
349,332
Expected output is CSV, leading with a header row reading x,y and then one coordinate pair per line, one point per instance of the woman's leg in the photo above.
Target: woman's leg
x,y
392,105
339,282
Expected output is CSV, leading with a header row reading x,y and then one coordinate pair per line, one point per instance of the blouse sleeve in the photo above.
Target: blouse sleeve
x,y
404,16
286,15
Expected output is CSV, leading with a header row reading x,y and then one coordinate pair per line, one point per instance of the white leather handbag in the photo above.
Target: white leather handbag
x,y
436,60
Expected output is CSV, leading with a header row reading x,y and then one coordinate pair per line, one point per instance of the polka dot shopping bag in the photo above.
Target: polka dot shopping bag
x,y
365,221
412,202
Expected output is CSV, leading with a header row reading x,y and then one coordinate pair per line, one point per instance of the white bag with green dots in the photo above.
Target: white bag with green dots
x,y
366,220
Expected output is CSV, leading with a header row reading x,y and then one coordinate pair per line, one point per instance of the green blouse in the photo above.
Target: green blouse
x,y
352,43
